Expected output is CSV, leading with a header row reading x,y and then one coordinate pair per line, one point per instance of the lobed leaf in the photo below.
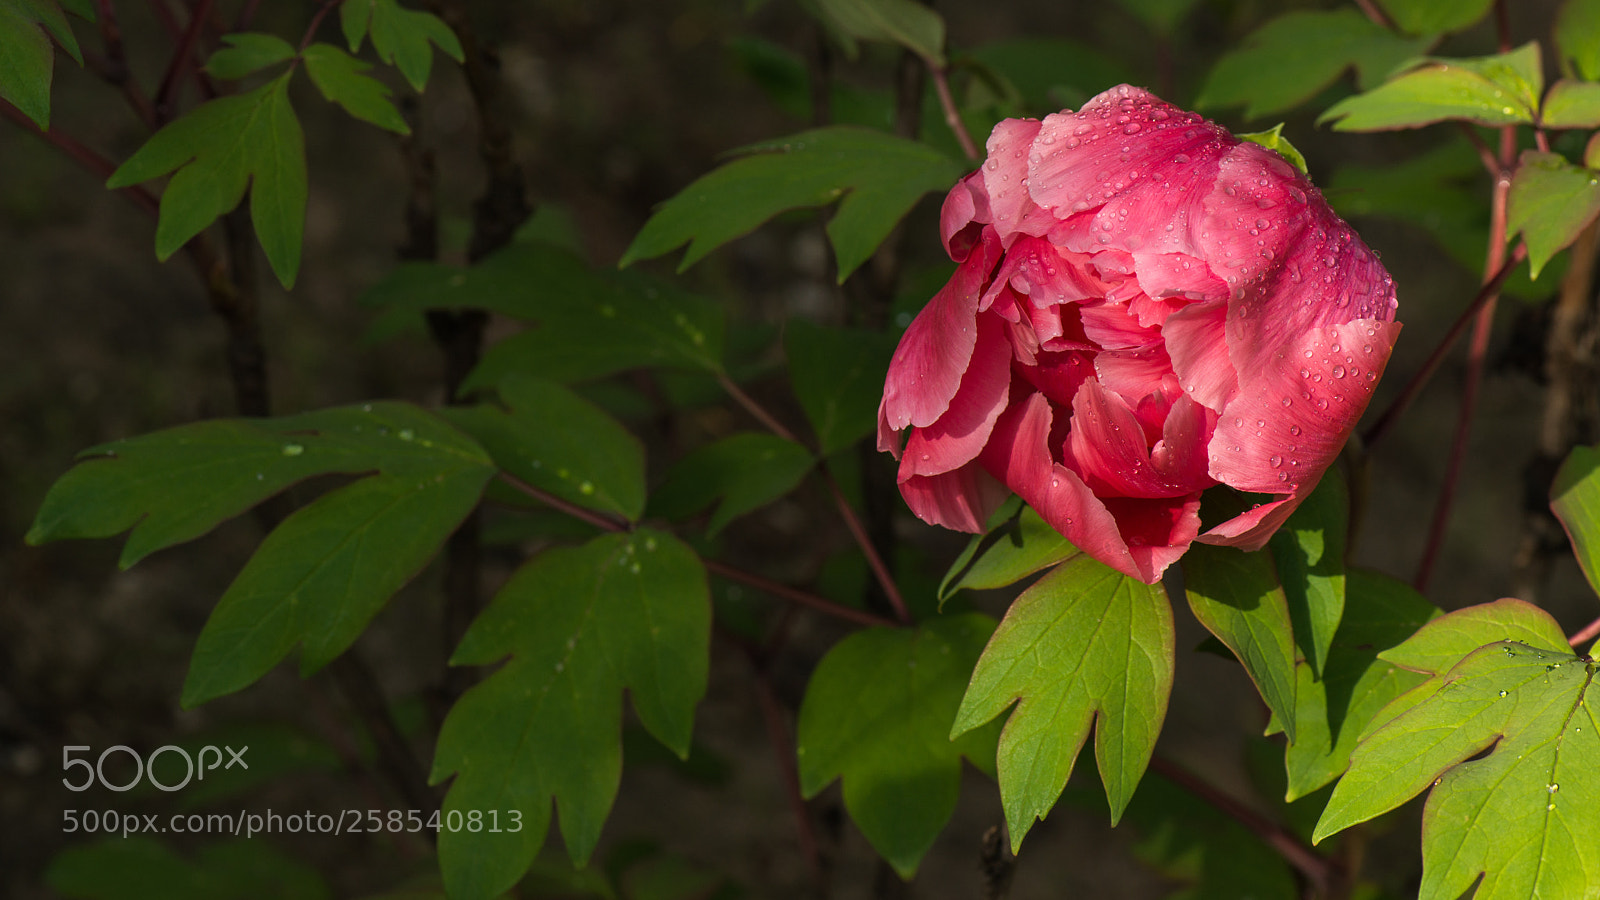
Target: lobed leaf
x,y
400,36
1238,598
251,139
1575,499
555,440
248,52
1433,17
138,867
338,75
1507,733
27,58
1551,201
877,715
905,22
581,625
1577,34
1288,60
878,176
1084,644
1309,554
1017,543
1488,90
747,471
837,375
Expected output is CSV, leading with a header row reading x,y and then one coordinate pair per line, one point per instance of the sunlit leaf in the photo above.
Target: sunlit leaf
x,y
338,75
1017,543
1309,553
1274,140
1551,201
1488,90
837,376
400,36
746,471
1085,644
877,714
1571,104
1237,597
1575,498
580,625
251,139
878,176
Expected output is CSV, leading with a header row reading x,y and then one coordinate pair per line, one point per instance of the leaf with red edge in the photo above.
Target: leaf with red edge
x,y
1551,201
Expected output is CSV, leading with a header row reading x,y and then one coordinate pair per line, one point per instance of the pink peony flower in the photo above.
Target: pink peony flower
x,y
1146,307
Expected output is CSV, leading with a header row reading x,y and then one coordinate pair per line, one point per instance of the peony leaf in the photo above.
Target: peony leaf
x,y
124,868
1488,90
905,22
837,376
27,58
1017,544
1274,140
1551,201
1236,596
1432,17
251,139
1084,644
1577,34
400,36
1309,553
1575,499
555,440
747,471
1287,61
879,176
1332,710
1505,731
338,75
877,714
248,52
1571,104
580,625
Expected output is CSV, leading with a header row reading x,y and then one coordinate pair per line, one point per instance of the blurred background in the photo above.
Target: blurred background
x,y
615,106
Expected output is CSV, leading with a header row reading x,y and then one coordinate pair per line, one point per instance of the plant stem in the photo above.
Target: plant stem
x,y
952,115
1588,633
316,22
115,71
598,520
179,64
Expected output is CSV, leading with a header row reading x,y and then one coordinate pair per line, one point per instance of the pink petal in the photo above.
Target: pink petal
x,y
962,499
1178,275
1255,215
1137,373
1108,449
1196,341
1058,373
1157,531
1005,178
1045,274
960,433
1290,419
1251,530
1111,326
925,371
966,209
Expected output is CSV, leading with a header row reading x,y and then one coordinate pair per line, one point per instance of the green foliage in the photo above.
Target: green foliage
x,y
338,75
1017,543
1430,17
1575,499
142,868
1577,34
837,375
1309,553
877,714
1163,16
1571,104
1287,61
1551,201
1333,708
555,440
586,324
1048,74
905,22
27,58
581,625
248,52
218,149
400,36
1237,597
1084,644
1503,680
1274,140
747,471
1488,90
879,177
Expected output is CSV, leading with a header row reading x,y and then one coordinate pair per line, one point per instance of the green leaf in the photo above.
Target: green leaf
x,y
1571,104
400,36
1017,544
1551,201
338,76
905,22
1488,90
142,868
747,471
27,58
581,625
1521,815
586,323
879,176
1575,499
1332,710
217,149
1309,553
248,52
837,375
1047,71
1290,59
1274,140
1431,17
1084,644
877,714
1577,34
1163,16
1237,597
555,440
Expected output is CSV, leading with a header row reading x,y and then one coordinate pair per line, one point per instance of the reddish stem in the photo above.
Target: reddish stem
x,y
952,115
756,410
1589,632
316,22
1377,15
179,64
86,158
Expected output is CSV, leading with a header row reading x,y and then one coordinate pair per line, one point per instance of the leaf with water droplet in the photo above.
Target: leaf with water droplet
x,y
1489,90
1502,680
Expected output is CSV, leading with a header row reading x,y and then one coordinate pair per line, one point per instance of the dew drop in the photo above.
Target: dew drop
x,y
1275,461
293,449
407,434
1338,371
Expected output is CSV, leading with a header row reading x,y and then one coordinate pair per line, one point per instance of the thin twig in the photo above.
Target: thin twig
x,y
952,115
782,741
179,64
795,595
87,159
598,520
316,22
1377,15
115,71
756,410
1485,153
880,570
1589,632
1318,869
